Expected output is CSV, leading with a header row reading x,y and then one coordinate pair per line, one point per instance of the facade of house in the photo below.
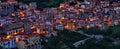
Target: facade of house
x,y
32,42
8,43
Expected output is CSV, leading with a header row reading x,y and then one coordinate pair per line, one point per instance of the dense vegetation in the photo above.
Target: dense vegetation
x,y
112,31
110,35
47,3
64,40
0,47
44,3
106,43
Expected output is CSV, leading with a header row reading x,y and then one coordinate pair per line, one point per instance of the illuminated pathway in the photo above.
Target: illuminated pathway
x,y
98,37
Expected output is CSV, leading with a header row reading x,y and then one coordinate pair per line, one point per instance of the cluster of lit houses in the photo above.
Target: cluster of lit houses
x,y
18,27
21,25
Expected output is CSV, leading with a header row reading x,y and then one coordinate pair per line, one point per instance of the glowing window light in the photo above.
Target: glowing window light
x,y
13,14
17,40
22,14
109,23
15,33
22,30
66,27
8,37
1,25
62,18
99,25
44,33
38,31
73,26
33,27
88,27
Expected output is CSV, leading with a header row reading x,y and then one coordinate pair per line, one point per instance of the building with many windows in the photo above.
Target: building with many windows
x,y
7,42
31,41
